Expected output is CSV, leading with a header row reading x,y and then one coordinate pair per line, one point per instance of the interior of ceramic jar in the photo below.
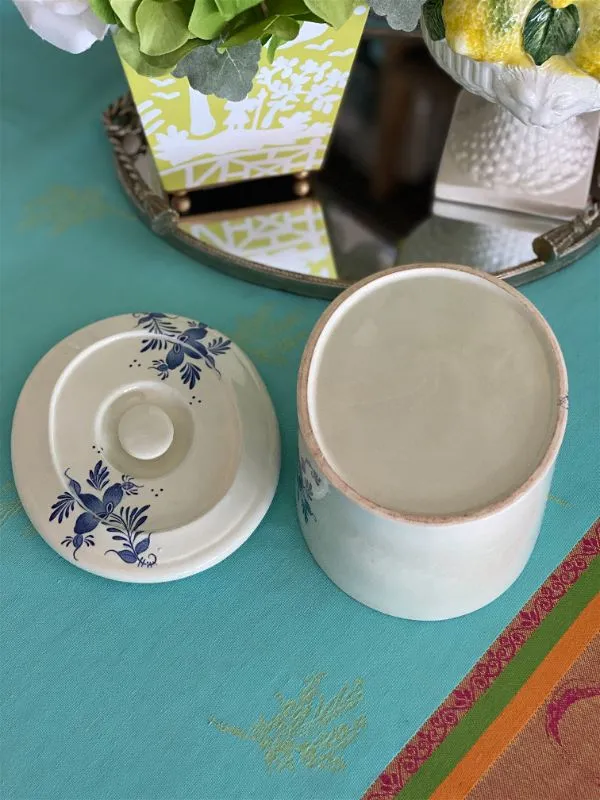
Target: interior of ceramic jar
x,y
434,392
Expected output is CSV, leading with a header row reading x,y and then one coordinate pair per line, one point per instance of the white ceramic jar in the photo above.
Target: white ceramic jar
x,y
432,404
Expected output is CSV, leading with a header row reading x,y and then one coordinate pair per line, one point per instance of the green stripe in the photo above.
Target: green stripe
x,y
515,674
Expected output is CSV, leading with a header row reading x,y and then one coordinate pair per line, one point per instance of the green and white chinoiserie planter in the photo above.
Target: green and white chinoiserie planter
x,y
281,128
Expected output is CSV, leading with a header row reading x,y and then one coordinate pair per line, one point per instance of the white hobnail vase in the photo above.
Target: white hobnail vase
x,y
530,136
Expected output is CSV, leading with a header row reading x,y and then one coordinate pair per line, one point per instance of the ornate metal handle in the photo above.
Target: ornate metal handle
x,y
126,136
558,242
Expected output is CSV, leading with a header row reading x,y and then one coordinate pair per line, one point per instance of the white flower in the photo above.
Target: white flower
x,y
68,24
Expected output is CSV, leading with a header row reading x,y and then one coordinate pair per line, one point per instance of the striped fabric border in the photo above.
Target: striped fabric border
x,y
521,707
441,724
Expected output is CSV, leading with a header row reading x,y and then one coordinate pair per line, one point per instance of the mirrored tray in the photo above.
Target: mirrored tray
x,y
371,207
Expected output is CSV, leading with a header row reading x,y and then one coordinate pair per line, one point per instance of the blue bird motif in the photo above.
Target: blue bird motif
x,y
184,347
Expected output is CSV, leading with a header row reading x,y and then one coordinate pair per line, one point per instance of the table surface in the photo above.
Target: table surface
x,y
181,690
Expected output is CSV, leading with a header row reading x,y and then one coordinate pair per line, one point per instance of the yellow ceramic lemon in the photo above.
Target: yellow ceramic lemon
x,y
563,33
586,53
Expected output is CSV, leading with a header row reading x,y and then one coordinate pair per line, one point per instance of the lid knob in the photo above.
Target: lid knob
x,y
145,431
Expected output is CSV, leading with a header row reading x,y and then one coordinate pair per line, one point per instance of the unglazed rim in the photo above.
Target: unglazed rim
x,y
314,449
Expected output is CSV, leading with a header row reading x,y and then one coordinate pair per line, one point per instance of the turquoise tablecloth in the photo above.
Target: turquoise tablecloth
x,y
119,691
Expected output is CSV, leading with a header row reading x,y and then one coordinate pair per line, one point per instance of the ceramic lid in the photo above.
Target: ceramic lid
x,y
145,447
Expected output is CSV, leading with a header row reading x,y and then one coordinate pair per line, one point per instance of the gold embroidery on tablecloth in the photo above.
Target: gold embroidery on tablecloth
x,y
559,501
307,730
63,207
10,507
269,338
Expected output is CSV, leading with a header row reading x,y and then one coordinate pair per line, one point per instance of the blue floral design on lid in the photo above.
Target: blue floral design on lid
x,y
102,508
184,347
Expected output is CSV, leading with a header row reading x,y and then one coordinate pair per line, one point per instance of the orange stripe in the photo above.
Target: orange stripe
x,y
522,707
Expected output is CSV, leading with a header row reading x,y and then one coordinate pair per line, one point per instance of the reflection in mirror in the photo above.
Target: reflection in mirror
x,y
323,239
481,238
290,236
373,204
383,197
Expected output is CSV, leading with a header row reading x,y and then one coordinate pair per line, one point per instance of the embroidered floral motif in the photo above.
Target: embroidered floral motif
x,y
64,207
182,345
101,508
308,483
10,505
562,702
269,337
306,730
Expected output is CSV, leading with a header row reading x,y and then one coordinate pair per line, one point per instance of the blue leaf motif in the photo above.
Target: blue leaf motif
x,y
219,346
158,324
86,522
125,555
65,503
154,344
195,331
142,546
175,357
190,374
112,497
138,525
73,484
98,478
91,503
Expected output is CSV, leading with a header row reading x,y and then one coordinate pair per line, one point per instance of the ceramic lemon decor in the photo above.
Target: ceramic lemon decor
x,y
524,32
531,148
538,58
145,448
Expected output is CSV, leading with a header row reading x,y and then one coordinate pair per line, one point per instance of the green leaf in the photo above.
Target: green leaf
x,y
309,17
168,61
402,15
287,29
228,75
231,8
274,43
550,31
103,11
128,47
283,27
163,27
206,21
434,20
125,11
333,12
289,8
